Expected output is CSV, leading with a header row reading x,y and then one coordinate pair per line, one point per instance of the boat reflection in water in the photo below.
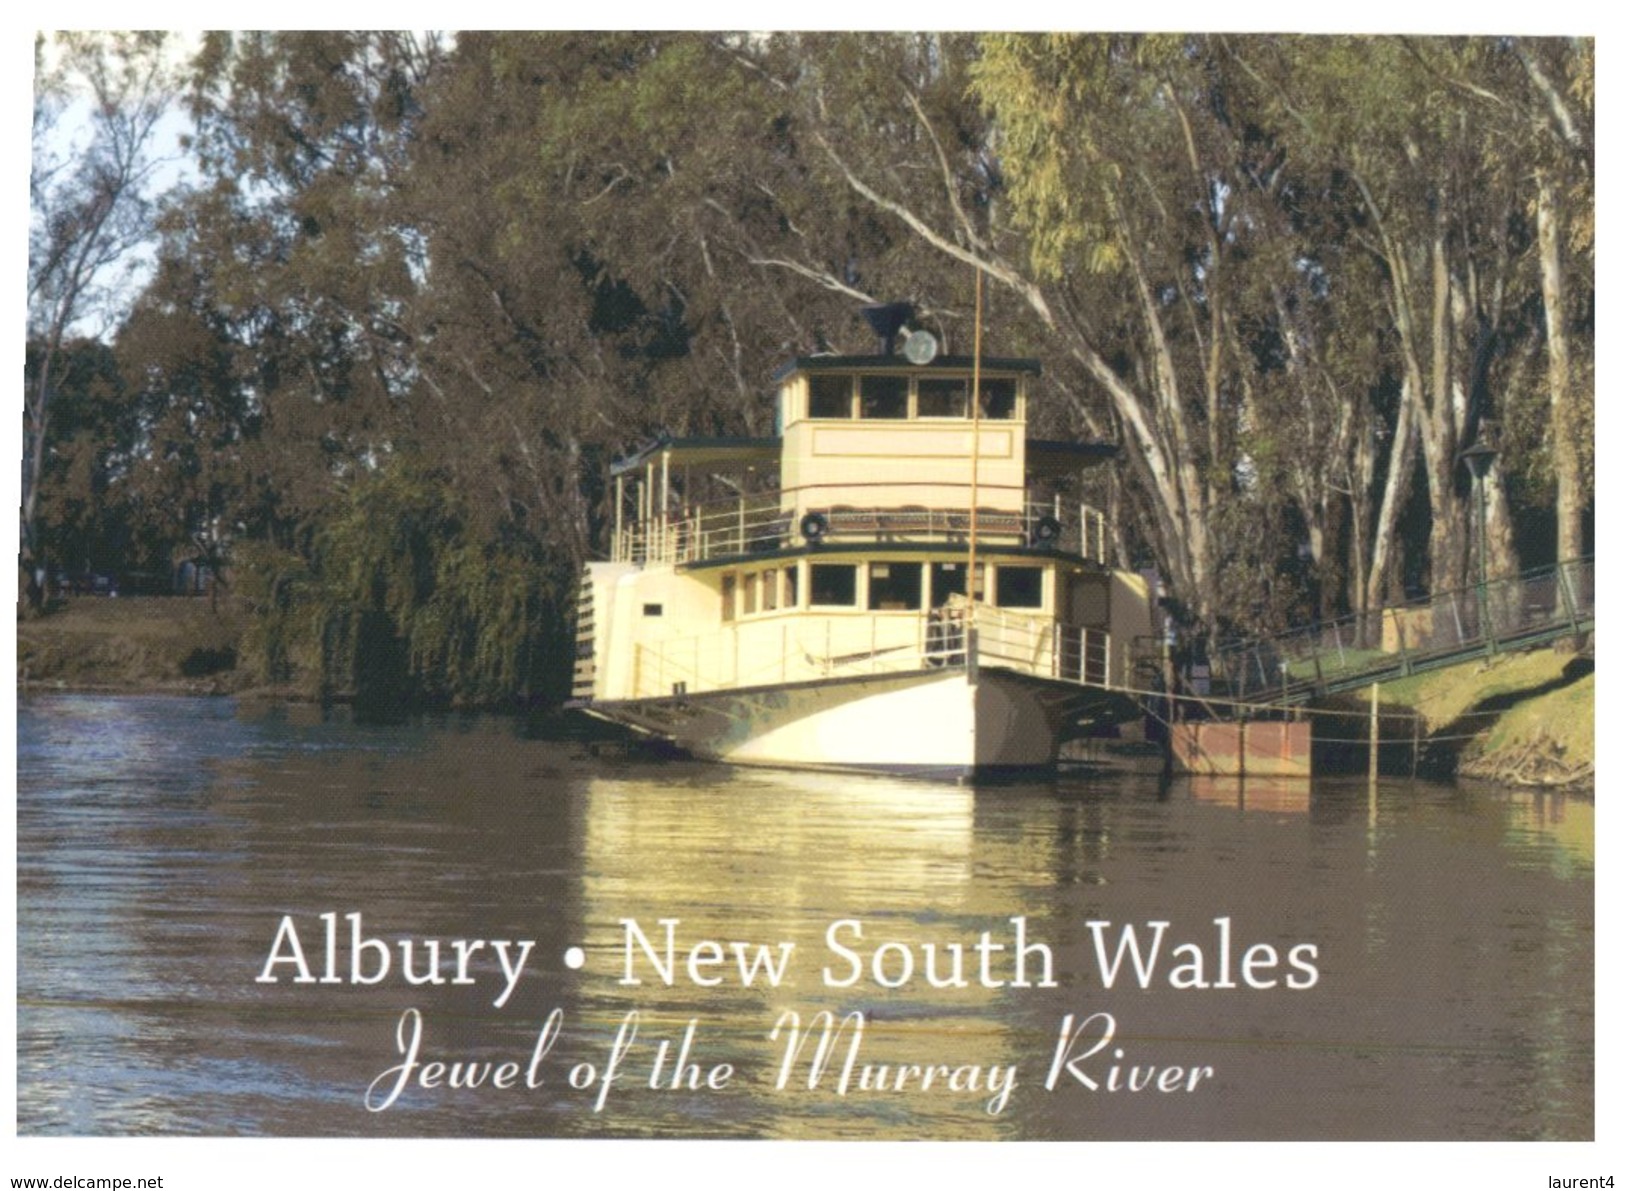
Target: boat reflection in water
x,y
1282,796
832,891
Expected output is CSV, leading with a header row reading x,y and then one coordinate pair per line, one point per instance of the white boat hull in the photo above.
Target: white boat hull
x,y
943,723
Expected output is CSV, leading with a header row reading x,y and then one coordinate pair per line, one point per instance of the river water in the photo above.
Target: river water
x,y
229,916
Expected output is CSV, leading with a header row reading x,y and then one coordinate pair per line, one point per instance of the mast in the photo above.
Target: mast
x,y
975,445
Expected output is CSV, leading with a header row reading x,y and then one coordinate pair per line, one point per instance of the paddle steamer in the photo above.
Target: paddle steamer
x,y
900,579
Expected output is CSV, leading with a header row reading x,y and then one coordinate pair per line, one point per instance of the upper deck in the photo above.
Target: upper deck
x,y
870,449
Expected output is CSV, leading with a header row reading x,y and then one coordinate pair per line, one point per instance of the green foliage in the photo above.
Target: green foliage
x,y
1062,102
283,643
395,568
87,520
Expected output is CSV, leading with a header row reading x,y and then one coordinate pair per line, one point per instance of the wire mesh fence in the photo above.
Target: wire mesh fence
x,y
1504,613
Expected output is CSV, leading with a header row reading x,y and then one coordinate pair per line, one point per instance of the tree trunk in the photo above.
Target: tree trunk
x,y
1565,454
30,560
1503,553
1441,432
1395,492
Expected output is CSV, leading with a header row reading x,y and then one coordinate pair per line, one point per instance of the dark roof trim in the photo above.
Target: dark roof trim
x,y
708,451
833,363
1048,457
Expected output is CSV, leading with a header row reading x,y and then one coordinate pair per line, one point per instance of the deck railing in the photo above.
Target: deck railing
x,y
1504,614
805,648
761,523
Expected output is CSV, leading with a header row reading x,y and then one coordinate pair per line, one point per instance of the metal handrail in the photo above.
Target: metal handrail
x,y
763,523
1510,612
809,650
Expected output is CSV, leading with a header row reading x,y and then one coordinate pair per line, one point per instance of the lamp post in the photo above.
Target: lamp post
x,y
1478,458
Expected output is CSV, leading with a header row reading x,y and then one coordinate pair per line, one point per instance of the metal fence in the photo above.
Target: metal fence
x,y
1504,614
759,524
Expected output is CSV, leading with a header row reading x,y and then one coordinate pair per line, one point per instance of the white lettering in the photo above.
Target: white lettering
x,y
286,932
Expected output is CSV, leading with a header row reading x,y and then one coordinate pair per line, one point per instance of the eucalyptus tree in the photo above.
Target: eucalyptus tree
x,y
528,344
290,282
90,210
294,244
660,226
1541,99
1435,203
1562,74
86,520
1129,179
1529,103
1105,191
451,278
189,480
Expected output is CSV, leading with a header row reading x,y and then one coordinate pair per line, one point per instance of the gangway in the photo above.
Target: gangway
x,y
1504,615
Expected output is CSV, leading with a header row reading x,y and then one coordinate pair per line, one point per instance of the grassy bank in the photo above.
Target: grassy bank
x,y
1524,718
162,644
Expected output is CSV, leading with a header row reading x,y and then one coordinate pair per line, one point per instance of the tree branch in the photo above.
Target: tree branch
x,y
947,172
995,269
827,280
1560,110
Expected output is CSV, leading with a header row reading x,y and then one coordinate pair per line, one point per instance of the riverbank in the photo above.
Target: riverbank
x,y
1521,719
133,644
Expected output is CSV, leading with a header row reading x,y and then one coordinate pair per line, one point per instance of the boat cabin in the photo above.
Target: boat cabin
x,y
901,519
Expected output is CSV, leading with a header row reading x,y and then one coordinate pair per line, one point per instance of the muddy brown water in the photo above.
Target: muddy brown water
x,y
270,921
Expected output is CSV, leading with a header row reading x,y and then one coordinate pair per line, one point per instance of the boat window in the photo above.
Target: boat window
x,y
883,397
829,397
944,397
770,590
750,595
1019,587
894,586
790,586
833,584
654,610
947,579
728,582
999,398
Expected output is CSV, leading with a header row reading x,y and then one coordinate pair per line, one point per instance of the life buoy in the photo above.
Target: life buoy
x,y
814,526
1046,531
